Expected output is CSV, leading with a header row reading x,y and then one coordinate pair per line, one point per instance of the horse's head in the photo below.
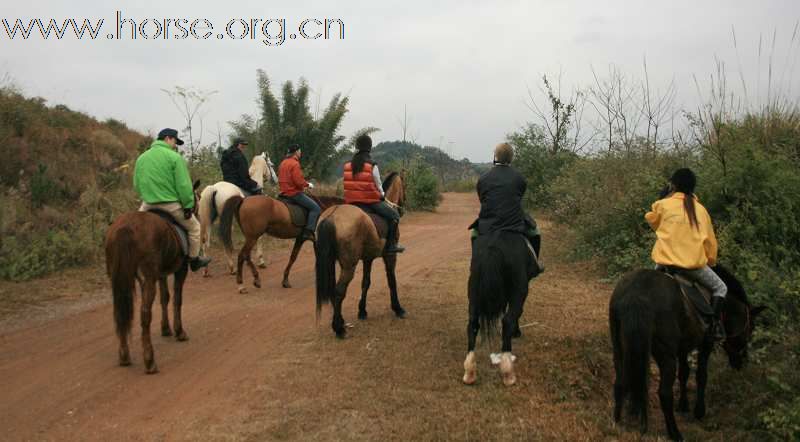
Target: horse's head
x,y
738,319
260,168
196,193
739,322
395,189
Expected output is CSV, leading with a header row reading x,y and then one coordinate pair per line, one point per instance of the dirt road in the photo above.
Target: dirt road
x,y
259,366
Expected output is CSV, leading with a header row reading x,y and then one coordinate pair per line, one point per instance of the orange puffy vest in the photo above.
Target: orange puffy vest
x,y
360,188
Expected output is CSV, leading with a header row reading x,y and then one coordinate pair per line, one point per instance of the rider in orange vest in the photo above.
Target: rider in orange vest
x,y
364,187
292,184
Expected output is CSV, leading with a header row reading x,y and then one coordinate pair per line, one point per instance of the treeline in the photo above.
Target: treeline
x,y
748,166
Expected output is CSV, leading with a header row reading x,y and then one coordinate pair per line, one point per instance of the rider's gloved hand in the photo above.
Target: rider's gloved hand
x,y
187,213
310,185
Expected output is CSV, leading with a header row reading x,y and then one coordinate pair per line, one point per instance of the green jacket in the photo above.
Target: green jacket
x,y
161,176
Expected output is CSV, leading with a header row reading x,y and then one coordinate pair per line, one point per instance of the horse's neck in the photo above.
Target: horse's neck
x,y
393,193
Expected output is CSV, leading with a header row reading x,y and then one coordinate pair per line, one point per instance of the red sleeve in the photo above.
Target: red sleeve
x,y
297,177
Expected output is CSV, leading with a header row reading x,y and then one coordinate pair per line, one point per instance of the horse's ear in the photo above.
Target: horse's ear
x,y
196,184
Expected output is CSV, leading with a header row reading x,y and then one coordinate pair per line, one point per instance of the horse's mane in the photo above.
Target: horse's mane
x,y
735,287
389,180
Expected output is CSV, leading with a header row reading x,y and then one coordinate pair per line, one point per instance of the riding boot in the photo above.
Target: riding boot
x,y
392,236
198,263
308,235
717,329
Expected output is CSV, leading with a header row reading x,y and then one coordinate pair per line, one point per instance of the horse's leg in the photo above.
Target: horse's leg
x,y
470,367
149,292
232,269
298,244
337,324
177,302
390,262
244,256
666,359
365,282
260,253
510,324
164,291
701,377
683,378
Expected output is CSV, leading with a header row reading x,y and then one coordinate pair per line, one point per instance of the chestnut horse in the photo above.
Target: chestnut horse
x,y
256,216
143,247
347,234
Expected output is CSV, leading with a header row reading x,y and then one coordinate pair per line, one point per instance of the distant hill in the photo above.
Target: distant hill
x,y
397,154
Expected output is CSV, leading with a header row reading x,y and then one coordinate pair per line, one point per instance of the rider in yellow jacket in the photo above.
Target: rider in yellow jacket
x,y
685,238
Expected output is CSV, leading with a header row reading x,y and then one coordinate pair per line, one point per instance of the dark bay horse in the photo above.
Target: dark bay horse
x,y
648,314
500,269
347,235
256,216
143,246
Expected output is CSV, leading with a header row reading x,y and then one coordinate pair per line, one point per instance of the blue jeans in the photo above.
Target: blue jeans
x,y
313,208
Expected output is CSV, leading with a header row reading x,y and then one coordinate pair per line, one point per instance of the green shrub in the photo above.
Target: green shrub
x,y
422,188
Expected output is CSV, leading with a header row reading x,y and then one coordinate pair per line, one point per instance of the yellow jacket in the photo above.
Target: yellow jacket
x,y
679,244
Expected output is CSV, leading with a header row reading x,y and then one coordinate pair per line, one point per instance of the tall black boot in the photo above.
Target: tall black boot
x,y
392,237
717,329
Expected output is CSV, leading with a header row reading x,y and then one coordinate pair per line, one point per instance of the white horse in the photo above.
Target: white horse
x,y
261,167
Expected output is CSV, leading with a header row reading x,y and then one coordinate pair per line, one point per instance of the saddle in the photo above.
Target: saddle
x,y
180,232
298,214
380,222
698,296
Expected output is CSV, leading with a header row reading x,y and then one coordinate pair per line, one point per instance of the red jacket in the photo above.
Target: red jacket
x,y
361,187
290,177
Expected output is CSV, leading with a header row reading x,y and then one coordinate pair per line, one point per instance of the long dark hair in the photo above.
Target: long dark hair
x,y
358,161
685,181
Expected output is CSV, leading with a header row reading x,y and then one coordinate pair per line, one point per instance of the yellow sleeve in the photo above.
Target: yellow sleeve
x,y
710,244
653,217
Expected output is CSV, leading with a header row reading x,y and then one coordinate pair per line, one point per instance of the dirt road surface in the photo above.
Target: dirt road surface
x,y
260,367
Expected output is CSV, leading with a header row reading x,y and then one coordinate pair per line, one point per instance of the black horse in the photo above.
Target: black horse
x,y
648,314
501,267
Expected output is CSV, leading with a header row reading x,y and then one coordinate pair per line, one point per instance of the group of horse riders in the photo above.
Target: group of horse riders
x,y
685,235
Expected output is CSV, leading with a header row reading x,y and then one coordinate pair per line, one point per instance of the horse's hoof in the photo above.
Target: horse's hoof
x,y
182,336
152,368
166,332
262,265
400,312
124,362
470,369
341,335
242,290
257,283
232,272
509,379
507,369
362,314
286,284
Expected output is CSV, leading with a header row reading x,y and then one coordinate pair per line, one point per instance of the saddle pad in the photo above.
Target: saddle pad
x,y
297,213
380,222
698,296
183,236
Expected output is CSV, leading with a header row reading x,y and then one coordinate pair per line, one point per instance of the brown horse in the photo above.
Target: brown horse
x,y
347,234
142,246
256,216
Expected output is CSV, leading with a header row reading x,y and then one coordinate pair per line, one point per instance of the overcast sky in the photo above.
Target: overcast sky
x,y
462,68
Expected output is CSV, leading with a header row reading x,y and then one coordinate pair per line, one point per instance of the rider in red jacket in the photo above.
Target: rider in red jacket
x,y
293,183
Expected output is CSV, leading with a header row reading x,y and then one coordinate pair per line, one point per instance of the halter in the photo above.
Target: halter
x,y
747,328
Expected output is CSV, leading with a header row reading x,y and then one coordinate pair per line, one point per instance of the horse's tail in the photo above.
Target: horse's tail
x,y
122,267
488,277
326,254
206,214
226,221
632,331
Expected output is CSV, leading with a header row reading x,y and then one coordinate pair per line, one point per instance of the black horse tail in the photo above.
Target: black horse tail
x,y
122,268
488,284
326,254
230,209
633,332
